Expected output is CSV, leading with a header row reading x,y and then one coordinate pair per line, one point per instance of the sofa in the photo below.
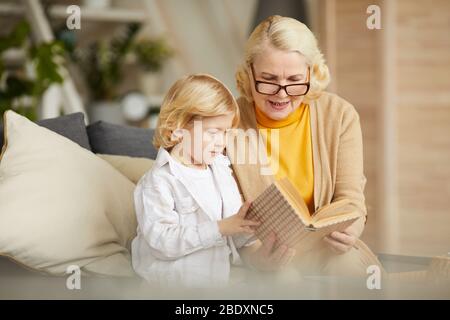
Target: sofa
x,y
28,269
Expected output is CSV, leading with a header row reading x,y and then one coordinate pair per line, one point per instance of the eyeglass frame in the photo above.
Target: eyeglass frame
x,y
307,84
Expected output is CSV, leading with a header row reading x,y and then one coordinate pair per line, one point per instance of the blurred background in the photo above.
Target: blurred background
x,y
117,66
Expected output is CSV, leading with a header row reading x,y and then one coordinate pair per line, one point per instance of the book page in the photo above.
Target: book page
x,y
334,213
294,198
334,210
330,221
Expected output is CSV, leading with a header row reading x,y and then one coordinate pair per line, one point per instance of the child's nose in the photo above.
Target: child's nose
x,y
217,137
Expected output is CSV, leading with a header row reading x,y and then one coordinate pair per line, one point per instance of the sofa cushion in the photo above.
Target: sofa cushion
x,y
108,138
131,167
62,205
71,126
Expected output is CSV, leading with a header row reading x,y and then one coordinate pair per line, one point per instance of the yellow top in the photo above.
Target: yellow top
x,y
295,159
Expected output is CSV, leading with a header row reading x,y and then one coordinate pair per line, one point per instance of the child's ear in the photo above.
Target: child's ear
x,y
177,135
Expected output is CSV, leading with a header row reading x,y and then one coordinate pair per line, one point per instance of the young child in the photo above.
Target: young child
x,y
188,206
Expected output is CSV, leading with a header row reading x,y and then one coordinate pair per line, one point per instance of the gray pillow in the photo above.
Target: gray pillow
x,y
70,126
108,138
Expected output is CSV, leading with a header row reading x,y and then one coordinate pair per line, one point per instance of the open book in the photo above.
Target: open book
x,y
281,209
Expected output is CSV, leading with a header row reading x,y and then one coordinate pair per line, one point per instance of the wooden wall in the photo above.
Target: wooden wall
x,y
419,62
423,59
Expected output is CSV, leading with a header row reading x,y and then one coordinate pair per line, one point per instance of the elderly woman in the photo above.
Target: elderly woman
x,y
282,84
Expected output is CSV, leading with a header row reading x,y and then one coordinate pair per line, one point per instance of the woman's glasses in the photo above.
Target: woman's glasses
x,y
269,88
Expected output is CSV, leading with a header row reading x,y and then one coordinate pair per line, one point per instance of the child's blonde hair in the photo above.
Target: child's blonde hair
x,y
198,95
285,34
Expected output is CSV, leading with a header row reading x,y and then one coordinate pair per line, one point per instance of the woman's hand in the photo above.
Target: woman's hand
x,y
237,223
264,259
341,242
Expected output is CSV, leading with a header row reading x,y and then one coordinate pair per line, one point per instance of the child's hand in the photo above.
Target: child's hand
x,y
237,223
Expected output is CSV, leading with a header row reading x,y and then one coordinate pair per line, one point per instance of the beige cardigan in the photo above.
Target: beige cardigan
x,y
337,153
337,157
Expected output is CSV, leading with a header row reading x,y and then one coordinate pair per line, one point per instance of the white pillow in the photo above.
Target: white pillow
x,y
61,205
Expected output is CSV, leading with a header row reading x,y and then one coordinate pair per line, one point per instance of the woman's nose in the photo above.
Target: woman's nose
x,y
282,93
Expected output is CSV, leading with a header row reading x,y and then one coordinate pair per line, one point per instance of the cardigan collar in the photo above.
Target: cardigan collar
x,y
263,120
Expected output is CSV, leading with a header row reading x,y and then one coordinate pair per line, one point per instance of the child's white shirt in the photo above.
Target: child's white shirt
x,y
178,240
204,180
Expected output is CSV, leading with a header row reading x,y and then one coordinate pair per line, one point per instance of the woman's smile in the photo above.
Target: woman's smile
x,y
278,105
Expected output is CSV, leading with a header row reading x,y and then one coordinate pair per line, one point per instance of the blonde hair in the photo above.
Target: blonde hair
x,y
285,34
198,95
